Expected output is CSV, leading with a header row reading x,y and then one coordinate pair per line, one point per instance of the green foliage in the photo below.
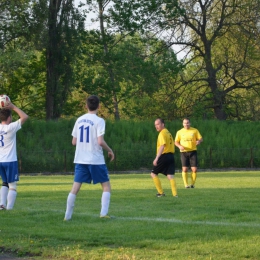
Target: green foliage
x,y
46,146
222,46
131,63
218,219
129,72
144,16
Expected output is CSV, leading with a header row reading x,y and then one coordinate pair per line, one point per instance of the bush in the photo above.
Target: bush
x,y
46,146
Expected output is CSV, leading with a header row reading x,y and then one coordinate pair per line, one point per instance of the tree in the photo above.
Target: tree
x,y
218,35
137,75
29,28
64,23
123,66
21,66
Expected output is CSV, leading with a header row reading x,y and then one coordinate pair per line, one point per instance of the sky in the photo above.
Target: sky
x,y
89,24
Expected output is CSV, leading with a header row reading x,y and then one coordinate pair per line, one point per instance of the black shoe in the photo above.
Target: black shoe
x,y
2,207
160,195
192,186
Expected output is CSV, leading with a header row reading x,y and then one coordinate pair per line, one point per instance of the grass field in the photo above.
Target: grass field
x,y
219,219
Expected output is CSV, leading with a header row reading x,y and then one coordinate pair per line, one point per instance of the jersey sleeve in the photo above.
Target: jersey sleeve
x,y
15,126
177,137
101,127
199,136
161,139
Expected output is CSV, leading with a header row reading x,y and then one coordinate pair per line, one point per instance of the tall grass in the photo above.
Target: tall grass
x,y
219,219
41,135
48,144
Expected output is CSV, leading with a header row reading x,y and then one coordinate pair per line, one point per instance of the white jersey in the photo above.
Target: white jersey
x,y
8,141
87,129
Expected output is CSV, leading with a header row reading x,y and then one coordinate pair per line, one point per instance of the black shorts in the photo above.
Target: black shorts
x,y
189,159
165,164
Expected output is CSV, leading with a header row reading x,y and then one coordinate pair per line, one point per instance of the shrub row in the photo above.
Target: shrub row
x,y
46,146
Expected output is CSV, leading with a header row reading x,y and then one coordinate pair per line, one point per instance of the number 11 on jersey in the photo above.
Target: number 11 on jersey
x,y
82,131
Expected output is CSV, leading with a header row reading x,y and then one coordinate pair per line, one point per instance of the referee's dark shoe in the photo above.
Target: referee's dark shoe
x,y
160,195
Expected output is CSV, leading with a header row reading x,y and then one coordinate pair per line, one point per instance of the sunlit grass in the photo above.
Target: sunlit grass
x,y
219,219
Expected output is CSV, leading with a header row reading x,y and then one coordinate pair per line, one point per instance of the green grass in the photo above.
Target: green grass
x,y
219,219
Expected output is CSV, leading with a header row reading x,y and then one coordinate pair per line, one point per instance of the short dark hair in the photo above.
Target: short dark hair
x,y
4,114
161,120
92,102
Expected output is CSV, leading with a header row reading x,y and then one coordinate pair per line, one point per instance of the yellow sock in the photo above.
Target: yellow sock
x,y
193,177
185,178
173,186
158,184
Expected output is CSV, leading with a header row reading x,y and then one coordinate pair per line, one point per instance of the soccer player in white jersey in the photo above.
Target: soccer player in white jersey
x,y
88,136
8,155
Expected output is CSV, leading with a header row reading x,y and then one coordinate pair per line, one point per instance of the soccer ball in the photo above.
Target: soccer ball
x,y
4,101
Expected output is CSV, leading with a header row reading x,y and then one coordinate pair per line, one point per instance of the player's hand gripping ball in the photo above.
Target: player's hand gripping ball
x,y
4,101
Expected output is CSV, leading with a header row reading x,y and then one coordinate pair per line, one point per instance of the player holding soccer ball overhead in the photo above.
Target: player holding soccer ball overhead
x,y
8,155
164,160
88,136
187,140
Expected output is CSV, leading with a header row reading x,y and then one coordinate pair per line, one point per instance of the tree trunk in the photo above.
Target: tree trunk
x,y
218,95
51,59
60,53
109,69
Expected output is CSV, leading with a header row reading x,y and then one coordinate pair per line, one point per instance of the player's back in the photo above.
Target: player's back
x,y
87,129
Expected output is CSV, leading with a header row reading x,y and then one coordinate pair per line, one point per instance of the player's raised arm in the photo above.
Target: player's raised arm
x,y
23,116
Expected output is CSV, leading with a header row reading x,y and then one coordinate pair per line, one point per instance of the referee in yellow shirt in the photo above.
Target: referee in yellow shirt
x,y
187,140
164,161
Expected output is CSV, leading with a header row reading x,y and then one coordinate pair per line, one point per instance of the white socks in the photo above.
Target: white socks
x,y
9,196
105,201
70,206
4,192
11,199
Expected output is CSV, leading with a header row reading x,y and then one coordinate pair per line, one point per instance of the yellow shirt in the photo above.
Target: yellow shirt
x,y
165,138
187,138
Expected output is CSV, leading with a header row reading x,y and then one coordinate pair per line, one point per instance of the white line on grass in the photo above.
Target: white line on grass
x,y
173,220
167,220
211,223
